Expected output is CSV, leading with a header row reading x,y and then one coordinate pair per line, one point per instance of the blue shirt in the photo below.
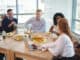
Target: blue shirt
x,y
5,22
37,25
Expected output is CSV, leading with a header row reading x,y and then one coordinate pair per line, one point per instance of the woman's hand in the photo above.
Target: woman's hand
x,y
51,29
43,48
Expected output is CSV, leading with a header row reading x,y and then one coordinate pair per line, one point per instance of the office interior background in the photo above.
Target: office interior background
x,y
25,9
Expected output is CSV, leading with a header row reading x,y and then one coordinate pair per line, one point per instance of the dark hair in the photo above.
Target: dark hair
x,y
38,10
56,15
9,10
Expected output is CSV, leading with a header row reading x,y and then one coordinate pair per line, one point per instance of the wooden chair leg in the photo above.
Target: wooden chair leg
x,y
7,55
10,55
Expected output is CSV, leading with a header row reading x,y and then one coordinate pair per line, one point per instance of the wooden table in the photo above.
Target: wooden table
x,y
12,48
6,49
24,52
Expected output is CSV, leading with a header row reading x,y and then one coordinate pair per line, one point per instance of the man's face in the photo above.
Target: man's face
x,y
10,13
38,14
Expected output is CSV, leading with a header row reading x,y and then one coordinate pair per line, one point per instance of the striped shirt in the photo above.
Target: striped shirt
x,y
37,25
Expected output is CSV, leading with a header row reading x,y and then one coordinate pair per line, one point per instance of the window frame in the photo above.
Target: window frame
x,y
74,15
17,10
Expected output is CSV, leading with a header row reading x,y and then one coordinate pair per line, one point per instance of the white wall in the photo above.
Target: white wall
x,y
53,6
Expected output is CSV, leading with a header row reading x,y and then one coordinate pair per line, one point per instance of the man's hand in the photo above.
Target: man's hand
x,y
12,23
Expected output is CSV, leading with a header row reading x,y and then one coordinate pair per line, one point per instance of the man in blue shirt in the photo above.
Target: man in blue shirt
x,y
9,21
38,23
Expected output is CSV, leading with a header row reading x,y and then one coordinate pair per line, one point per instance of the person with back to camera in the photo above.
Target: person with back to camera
x,y
62,48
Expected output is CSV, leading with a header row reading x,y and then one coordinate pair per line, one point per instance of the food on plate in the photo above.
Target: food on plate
x,y
10,34
38,39
18,37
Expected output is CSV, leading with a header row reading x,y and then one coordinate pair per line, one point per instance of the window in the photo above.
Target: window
x,y
77,22
23,9
76,27
41,4
7,4
78,10
27,6
26,9
76,16
24,18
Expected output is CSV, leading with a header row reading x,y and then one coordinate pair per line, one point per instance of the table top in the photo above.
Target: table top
x,y
20,47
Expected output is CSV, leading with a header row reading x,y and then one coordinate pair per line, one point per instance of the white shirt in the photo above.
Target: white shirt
x,y
63,46
37,25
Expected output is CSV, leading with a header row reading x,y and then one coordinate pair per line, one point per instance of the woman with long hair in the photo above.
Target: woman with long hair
x,y
63,47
